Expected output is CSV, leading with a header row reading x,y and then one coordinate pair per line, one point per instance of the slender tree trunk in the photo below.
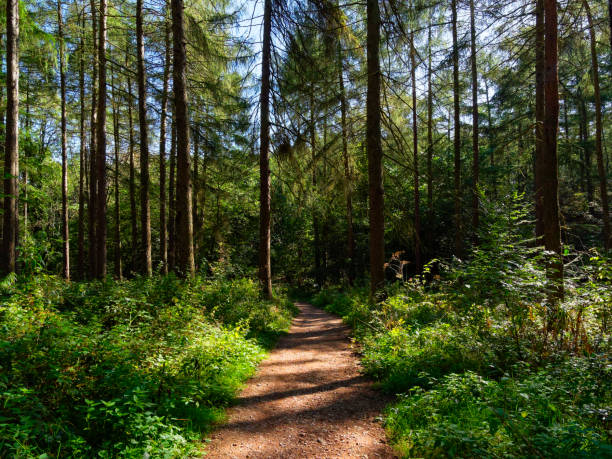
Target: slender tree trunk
x,y
348,186
101,148
429,127
172,199
93,139
265,269
374,148
65,227
132,184
184,219
145,210
539,114
315,214
603,189
415,161
11,146
2,136
118,267
162,156
584,126
81,222
196,188
475,131
550,180
457,139
492,147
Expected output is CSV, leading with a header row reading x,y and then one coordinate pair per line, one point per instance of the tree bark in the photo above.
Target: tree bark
x,y
315,215
457,138
415,161
374,149
101,148
184,219
348,186
172,199
265,269
81,222
11,146
539,115
475,130
162,156
132,184
93,139
65,227
429,127
116,141
145,210
603,189
550,179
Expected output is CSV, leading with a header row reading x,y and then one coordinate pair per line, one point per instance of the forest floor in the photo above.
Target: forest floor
x,y
308,400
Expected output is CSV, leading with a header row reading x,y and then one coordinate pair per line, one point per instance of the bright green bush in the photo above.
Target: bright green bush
x,y
124,369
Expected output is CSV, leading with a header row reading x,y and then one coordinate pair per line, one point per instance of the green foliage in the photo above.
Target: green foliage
x,y
124,369
479,372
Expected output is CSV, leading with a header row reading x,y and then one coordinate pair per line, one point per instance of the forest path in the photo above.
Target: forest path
x,y
308,400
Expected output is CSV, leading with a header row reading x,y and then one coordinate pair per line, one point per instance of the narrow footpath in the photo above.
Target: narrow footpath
x,y
308,400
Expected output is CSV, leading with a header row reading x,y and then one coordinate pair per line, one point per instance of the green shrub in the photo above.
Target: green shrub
x,y
125,369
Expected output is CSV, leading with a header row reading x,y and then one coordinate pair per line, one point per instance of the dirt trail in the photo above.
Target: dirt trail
x,y
308,400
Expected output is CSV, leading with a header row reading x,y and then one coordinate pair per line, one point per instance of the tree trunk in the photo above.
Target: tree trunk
x,y
172,199
374,148
65,227
101,149
315,215
475,131
162,156
145,210
265,269
429,128
415,160
118,267
549,179
196,188
184,220
348,187
11,146
539,115
603,189
457,139
93,139
81,222
132,185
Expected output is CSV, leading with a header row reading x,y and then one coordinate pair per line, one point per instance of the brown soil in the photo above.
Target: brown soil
x,y
308,400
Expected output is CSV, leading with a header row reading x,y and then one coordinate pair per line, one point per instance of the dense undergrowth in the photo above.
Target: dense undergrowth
x,y
137,368
483,364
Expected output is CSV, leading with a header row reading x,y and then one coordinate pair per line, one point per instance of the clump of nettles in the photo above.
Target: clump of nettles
x,y
125,369
485,361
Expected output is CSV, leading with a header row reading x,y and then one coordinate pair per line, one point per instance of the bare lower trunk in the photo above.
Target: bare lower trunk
x,y
184,219
265,270
374,148
539,115
603,189
65,228
82,168
11,146
172,200
132,184
415,161
118,267
475,132
162,157
350,238
93,139
429,128
550,180
457,139
145,210
101,148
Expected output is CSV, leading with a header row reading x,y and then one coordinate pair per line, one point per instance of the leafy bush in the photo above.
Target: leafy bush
x,y
125,369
